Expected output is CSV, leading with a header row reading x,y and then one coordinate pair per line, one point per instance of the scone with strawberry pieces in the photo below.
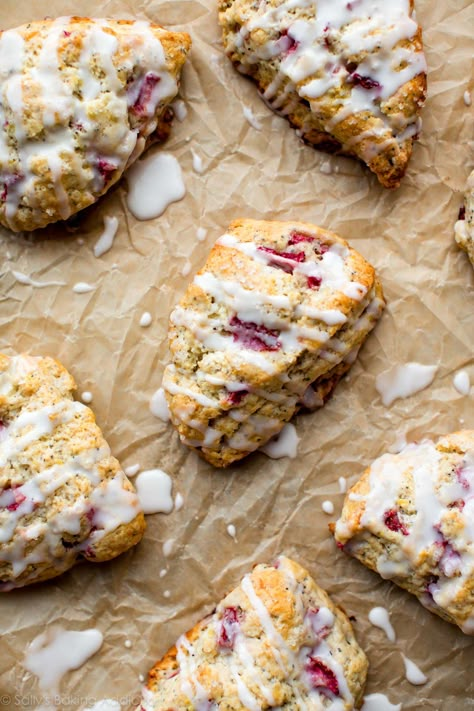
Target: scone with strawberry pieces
x,y
464,227
276,641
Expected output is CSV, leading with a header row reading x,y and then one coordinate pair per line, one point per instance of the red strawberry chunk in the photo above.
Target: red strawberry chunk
x,y
314,282
292,256
106,169
392,520
298,237
321,677
254,336
365,82
235,397
460,473
8,181
144,106
289,44
462,213
19,499
229,627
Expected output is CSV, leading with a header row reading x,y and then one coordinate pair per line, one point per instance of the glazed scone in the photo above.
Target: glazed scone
x,y
350,76
269,325
464,227
411,519
80,99
62,495
276,641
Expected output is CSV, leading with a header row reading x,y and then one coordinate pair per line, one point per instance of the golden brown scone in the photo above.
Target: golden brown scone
x,y
276,641
464,227
350,76
62,495
80,99
269,325
411,519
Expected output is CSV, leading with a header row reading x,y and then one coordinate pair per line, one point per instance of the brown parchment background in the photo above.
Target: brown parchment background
x,y
275,505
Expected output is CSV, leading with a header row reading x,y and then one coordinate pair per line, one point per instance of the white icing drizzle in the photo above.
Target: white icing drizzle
x,y
159,406
55,652
379,617
145,319
154,491
82,287
285,444
106,240
413,673
251,118
462,383
154,183
28,281
402,381
379,702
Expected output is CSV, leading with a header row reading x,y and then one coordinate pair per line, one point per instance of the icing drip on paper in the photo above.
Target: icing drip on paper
x,y
251,118
82,287
231,531
145,319
379,617
402,381
154,183
154,491
413,673
462,382
86,397
197,162
328,507
379,702
132,470
106,240
28,281
285,445
159,406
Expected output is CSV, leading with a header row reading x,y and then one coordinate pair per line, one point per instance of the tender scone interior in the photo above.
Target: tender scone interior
x,y
269,325
276,641
350,76
79,101
464,227
62,495
411,518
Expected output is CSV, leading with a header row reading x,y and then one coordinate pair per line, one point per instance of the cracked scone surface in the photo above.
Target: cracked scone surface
x,y
410,518
80,99
269,325
351,77
277,640
62,495
464,228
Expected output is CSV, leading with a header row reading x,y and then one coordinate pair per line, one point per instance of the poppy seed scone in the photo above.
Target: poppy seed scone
x,y
62,495
464,227
276,641
350,76
80,100
269,325
411,519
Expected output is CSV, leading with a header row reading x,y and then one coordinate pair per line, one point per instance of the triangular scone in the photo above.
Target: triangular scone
x,y
410,518
62,495
269,325
79,101
276,641
464,227
350,76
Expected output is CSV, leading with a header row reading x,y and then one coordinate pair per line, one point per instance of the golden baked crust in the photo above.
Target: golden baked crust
x,y
351,77
277,640
62,495
80,99
464,227
410,518
269,325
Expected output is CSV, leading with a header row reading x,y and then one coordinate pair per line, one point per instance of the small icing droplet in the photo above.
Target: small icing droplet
x,y
201,234
413,673
86,397
159,405
379,617
154,183
186,269
328,507
251,118
145,319
342,484
379,702
231,530
467,98
178,502
163,572
166,593
141,678
82,287
197,162
132,469
127,644
28,281
284,445
462,382
168,547
106,240
180,110
154,491
325,168
403,381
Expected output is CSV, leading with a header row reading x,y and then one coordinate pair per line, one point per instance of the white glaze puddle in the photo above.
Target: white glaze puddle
x,y
403,381
379,617
153,184
328,507
82,287
201,234
231,531
342,484
55,652
106,240
154,491
197,162
413,673
379,702
145,319
462,382
132,470
28,281
159,406
105,705
86,397
251,118
284,445
178,502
